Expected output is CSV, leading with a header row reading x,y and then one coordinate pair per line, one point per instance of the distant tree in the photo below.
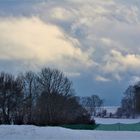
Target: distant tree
x,y
92,103
119,112
137,97
104,113
128,102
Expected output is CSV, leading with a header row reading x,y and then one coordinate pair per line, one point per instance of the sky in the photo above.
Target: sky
x,y
96,43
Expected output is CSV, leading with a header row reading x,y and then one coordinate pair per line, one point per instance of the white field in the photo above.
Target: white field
x,y
57,133
114,121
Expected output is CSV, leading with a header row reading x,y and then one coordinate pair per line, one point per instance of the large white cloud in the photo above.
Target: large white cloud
x,y
38,44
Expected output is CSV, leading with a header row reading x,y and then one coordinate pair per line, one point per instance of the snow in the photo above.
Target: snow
x,y
114,121
23,132
110,109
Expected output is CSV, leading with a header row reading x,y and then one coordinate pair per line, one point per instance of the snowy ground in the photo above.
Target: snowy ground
x,y
57,133
114,121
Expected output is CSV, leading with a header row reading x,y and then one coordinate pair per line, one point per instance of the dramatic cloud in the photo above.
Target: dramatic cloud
x,y
33,40
116,62
116,59
109,29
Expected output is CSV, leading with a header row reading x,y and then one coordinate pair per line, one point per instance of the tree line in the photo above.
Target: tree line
x,y
43,98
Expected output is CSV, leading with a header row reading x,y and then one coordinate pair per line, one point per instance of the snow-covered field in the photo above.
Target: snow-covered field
x,y
114,121
57,133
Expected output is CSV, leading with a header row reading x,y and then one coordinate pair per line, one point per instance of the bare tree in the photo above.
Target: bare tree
x,y
30,94
57,103
52,80
45,98
131,101
92,103
10,96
